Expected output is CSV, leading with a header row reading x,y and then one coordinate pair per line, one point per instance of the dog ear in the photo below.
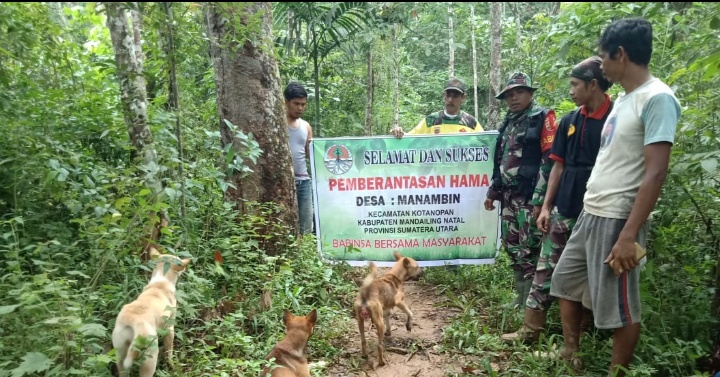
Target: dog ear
x,y
406,263
312,317
398,256
287,316
154,253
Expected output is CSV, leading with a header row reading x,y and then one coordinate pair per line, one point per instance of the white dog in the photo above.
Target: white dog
x,y
154,309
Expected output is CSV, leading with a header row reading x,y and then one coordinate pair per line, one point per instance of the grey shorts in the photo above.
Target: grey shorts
x,y
615,300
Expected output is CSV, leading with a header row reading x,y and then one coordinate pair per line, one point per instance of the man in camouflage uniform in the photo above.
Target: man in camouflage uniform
x,y
448,120
574,151
521,167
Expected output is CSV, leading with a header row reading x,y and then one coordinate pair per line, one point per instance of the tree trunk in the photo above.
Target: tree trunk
x,y
316,78
556,8
369,91
474,57
137,32
495,65
250,97
451,44
518,25
174,98
133,95
396,68
291,28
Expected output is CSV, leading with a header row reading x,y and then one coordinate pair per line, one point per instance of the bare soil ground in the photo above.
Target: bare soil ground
x,y
408,354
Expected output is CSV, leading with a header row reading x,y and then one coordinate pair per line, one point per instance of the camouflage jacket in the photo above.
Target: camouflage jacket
x,y
522,161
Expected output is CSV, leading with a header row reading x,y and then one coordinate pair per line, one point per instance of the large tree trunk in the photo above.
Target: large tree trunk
x,y
137,32
473,22
250,97
495,64
133,95
451,44
369,91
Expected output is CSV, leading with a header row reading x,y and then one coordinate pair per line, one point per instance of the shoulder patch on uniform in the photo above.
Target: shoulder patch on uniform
x,y
548,125
571,130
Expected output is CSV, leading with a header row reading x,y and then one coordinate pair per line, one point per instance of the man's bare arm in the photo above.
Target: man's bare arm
x,y
553,184
309,139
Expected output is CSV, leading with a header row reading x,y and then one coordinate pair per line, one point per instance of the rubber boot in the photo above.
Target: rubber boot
x,y
527,287
520,294
530,331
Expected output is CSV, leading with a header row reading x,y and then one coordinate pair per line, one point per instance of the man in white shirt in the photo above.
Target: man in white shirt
x,y
621,192
300,134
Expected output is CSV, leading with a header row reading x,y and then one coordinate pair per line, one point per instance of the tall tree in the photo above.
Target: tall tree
x,y
518,24
451,44
249,98
369,93
133,95
174,96
396,78
137,31
473,24
495,64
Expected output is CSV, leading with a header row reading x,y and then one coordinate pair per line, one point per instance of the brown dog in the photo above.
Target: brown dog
x,y
151,311
289,353
378,297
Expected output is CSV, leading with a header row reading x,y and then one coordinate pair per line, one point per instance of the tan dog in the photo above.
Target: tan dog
x,y
151,311
378,297
289,353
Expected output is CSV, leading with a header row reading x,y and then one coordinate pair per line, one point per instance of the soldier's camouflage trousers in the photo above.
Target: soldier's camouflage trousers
x,y
552,248
520,236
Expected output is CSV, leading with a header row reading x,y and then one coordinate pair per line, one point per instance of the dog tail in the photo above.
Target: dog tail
x,y
368,281
132,354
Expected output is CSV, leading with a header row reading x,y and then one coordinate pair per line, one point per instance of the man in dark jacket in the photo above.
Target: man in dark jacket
x,y
521,167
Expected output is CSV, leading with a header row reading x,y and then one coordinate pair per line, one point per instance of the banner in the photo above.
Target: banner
x,y
420,195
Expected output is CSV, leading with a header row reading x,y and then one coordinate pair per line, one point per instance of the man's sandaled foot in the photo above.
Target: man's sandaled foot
x,y
561,354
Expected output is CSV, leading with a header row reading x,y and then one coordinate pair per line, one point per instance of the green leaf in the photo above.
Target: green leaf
x,y
78,273
8,309
88,182
33,362
710,165
62,175
715,23
93,329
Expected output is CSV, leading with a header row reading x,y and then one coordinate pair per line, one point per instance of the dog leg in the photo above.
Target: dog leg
x,y
121,355
388,327
377,317
361,328
149,364
168,345
408,313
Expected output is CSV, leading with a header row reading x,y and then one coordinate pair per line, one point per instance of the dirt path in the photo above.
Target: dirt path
x,y
408,354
